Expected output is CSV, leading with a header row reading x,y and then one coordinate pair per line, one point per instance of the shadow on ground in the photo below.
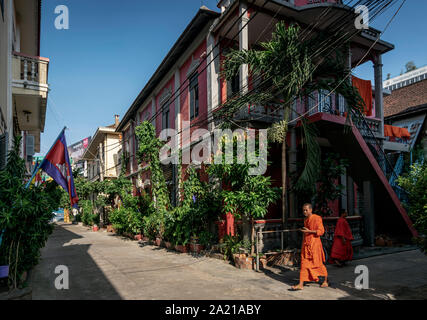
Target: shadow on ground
x,y
86,279
399,276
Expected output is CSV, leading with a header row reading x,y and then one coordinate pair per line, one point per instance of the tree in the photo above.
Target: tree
x,y
415,184
410,66
291,67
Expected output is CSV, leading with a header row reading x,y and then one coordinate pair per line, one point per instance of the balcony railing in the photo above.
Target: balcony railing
x,y
269,113
30,72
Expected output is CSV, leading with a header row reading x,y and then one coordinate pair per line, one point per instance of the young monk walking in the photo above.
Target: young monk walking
x,y
312,254
342,249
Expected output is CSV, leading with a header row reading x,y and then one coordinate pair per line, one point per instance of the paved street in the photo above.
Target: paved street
x,y
104,266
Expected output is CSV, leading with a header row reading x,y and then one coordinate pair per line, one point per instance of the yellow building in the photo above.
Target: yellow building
x,y
23,78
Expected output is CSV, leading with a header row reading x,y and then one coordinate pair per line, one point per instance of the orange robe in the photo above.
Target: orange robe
x,y
312,254
341,251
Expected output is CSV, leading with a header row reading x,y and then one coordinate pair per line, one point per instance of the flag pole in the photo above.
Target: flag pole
x,y
40,164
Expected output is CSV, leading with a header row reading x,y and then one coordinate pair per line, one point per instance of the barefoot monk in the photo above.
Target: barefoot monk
x,y
312,254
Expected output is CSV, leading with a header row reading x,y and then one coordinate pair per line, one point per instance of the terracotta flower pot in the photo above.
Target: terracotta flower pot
x,y
144,238
138,237
110,228
181,248
242,261
168,245
95,228
380,242
158,241
196,248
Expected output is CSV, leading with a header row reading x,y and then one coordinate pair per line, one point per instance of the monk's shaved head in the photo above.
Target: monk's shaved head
x,y
308,205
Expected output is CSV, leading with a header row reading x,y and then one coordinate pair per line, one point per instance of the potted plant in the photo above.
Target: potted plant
x,y
138,237
183,248
158,241
168,245
195,246
95,227
243,261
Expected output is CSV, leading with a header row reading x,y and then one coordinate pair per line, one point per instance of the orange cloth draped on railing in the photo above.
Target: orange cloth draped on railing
x,y
397,132
365,91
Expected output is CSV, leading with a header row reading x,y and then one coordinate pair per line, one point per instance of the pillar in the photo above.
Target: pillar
x,y
244,45
213,80
350,196
369,213
379,111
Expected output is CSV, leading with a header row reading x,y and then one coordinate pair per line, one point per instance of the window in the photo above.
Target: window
x,y
233,86
165,117
194,96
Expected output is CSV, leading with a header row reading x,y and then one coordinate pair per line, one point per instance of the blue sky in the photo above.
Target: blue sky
x,y
100,64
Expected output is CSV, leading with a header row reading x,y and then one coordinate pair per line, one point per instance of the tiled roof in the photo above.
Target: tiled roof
x,y
406,97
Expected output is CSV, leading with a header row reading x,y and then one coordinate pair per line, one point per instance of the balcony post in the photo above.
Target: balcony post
x,y
25,69
379,111
243,45
33,71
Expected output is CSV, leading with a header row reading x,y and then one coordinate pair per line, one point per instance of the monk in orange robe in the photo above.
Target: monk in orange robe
x,y
342,250
312,254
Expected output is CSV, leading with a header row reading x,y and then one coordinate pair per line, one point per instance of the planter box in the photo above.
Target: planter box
x,y
4,271
196,248
181,248
242,261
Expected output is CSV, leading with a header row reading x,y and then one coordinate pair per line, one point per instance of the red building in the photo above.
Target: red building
x,y
186,90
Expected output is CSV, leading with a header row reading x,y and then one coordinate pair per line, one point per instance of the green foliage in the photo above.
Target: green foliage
x,y
24,215
231,245
290,67
415,184
326,188
194,213
248,195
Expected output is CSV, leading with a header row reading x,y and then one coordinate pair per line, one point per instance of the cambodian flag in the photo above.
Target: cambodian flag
x,y
57,165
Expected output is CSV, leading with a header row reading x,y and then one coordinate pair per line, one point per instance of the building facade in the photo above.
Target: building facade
x,y
102,154
187,90
23,78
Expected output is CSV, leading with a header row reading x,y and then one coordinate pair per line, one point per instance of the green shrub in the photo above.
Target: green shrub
x,y
415,184
25,216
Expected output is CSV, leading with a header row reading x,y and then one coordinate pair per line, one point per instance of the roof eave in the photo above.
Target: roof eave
x,y
189,32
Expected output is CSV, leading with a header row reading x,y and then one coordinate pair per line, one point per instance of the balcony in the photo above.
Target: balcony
x,y
30,74
30,90
270,113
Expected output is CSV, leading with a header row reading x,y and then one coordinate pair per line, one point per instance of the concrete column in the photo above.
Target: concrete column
x,y
178,126
8,15
369,213
350,196
379,111
153,111
344,203
212,73
244,45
